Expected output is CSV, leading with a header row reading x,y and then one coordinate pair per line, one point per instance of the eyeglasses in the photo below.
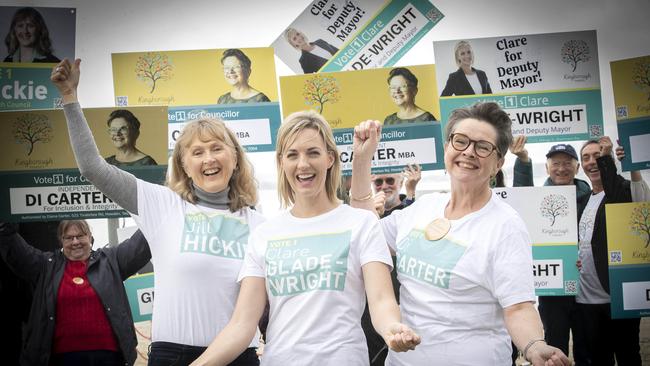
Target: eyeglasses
x,y
228,69
402,88
482,148
118,131
71,238
380,181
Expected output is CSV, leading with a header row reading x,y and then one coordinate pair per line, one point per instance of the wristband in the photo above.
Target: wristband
x,y
530,344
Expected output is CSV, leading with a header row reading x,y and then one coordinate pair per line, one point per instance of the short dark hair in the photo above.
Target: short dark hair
x,y
239,55
405,73
488,112
588,142
130,118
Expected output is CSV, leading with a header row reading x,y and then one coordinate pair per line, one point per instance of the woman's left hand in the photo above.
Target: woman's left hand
x,y
401,338
541,354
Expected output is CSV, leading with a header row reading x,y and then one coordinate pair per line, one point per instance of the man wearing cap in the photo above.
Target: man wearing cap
x,y
558,313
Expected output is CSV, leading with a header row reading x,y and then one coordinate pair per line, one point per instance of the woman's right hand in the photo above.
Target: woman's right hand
x,y
366,138
65,76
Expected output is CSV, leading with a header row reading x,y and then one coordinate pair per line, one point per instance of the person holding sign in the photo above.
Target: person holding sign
x,y
80,312
466,80
28,39
638,186
463,258
237,70
403,87
606,339
313,55
197,225
315,263
558,313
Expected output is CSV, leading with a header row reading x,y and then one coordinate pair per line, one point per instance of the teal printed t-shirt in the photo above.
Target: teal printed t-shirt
x,y
215,234
316,262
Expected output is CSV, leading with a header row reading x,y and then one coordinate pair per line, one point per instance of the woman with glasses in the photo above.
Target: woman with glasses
x,y
237,70
197,225
463,258
124,130
402,88
80,313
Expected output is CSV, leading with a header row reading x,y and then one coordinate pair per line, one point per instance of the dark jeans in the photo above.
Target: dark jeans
x,y
560,316
87,358
606,338
174,354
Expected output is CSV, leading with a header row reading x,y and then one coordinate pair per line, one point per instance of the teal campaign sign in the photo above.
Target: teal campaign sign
x,y
308,263
401,145
634,135
27,87
255,124
61,194
555,270
140,293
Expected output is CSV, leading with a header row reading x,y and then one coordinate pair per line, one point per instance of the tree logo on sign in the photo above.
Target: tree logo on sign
x,y
640,222
554,206
641,75
320,90
575,51
30,129
152,67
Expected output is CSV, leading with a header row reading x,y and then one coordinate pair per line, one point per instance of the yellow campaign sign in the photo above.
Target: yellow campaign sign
x,y
348,97
184,78
39,139
628,233
631,85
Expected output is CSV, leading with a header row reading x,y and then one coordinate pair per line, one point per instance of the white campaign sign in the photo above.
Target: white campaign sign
x,y
636,295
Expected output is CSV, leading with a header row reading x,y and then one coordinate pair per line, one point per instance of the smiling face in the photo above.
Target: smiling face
x,y
210,164
120,133
562,168
390,184
234,72
466,167
297,39
588,157
76,244
25,31
401,92
465,57
305,163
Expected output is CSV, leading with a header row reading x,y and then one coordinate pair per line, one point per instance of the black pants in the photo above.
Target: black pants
x,y
174,354
606,338
560,316
87,358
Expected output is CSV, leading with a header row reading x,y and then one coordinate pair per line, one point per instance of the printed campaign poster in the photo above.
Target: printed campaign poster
x,y
628,246
36,39
39,179
550,215
341,35
631,84
548,83
236,85
403,98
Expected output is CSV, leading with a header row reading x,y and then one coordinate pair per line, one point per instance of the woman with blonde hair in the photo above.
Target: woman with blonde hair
x,y
315,263
466,80
197,225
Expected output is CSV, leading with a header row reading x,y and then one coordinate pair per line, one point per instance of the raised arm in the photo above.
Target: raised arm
x,y
523,170
132,254
23,259
384,312
366,139
638,186
240,330
118,185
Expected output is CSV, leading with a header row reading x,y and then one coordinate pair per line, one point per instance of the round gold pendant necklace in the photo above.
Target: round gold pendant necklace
x,y
78,280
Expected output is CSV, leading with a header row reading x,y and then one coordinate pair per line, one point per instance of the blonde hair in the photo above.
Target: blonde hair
x,y
82,225
457,47
292,126
243,187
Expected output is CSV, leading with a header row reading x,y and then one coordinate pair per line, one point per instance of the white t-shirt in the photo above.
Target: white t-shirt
x,y
314,282
453,290
197,253
591,291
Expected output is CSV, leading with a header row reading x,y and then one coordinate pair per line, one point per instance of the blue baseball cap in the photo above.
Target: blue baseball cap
x,y
562,148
